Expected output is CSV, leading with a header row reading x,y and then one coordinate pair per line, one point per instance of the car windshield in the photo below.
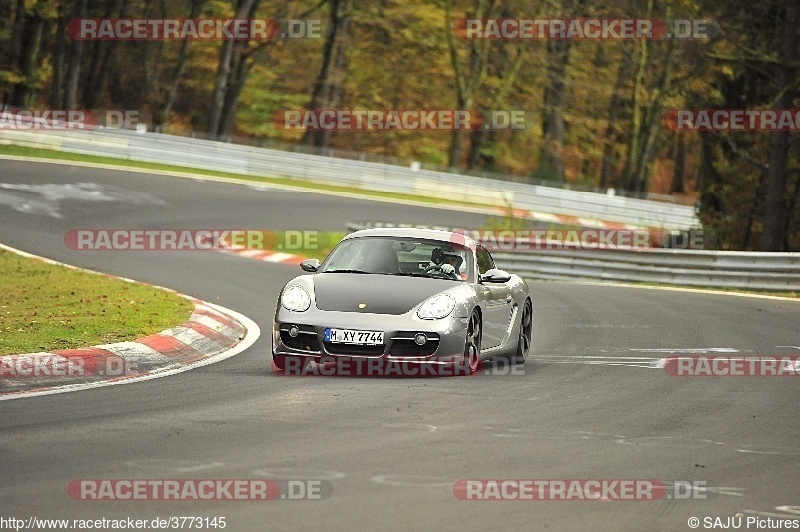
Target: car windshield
x,y
402,257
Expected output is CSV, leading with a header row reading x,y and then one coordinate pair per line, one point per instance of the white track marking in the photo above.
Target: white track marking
x,y
291,473
631,361
606,326
424,426
634,362
51,194
184,466
412,481
687,350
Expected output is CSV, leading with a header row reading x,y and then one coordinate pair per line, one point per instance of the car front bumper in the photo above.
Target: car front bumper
x,y
445,345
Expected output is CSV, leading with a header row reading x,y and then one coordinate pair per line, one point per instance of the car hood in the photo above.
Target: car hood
x,y
373,293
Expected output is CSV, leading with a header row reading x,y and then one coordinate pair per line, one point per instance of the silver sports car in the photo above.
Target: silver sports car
x,y
415,296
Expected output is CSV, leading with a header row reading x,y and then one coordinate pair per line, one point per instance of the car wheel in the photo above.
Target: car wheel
x,y
472,348
525,333
290,364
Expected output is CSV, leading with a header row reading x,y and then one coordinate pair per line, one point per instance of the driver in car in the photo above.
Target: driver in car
x,y
447,262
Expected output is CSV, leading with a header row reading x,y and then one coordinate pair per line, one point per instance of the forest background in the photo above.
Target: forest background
x,y
594,109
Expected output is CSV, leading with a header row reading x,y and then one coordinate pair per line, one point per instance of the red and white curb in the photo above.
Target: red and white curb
x,y
275,257
212,334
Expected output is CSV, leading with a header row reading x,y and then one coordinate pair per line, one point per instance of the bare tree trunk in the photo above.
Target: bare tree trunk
x,y
245,57
653,120
791,211
100,81
611,130
470,81
75,53
324,76
477,140
479,135
773,237
710,179
59,56
750,211
162,114
17,35
235,85
223,75
551,161
31,45
634,148
94,73
678,184
328,87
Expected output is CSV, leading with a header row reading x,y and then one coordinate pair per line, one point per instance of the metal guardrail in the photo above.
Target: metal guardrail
x,y
719,269
250,160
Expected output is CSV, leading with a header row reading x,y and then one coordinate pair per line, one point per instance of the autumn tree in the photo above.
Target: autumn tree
x,y
746,197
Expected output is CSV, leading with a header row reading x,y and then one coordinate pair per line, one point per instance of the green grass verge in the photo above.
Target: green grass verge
x,y
45,307
23,151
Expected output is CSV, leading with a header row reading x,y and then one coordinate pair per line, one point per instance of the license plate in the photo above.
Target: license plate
x,y
349,336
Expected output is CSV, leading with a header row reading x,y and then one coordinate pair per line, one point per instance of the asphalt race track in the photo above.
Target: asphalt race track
x,y
592,402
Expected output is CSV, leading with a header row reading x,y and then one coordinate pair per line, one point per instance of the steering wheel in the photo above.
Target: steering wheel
x,y
437,268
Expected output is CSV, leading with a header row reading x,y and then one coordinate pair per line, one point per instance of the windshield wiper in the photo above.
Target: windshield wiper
x,y
345,271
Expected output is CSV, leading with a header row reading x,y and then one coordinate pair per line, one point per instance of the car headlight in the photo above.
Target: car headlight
x,y
295,298
437,307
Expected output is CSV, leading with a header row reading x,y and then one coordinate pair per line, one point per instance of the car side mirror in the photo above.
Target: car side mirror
x,y
310,265
495,275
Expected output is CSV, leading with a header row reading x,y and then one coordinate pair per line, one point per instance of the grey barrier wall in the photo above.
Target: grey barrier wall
x,y
249,160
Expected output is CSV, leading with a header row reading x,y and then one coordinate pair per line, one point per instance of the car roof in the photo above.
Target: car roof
x,y
415,232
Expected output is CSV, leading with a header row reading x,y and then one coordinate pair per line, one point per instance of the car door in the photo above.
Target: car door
x,y
498,303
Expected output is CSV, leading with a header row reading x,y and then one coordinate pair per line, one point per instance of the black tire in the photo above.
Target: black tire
x,y
525,333
472,345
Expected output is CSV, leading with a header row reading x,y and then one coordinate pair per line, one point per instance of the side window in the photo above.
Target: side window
x,y
485,262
